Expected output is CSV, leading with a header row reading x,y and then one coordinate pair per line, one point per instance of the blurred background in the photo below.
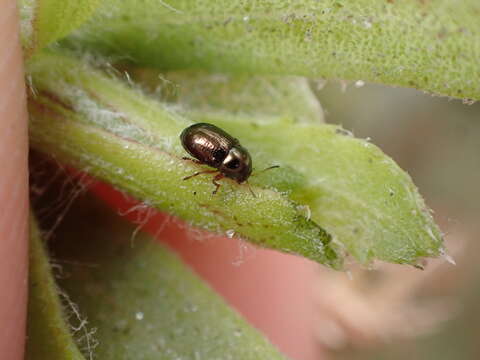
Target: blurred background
x,y
394,311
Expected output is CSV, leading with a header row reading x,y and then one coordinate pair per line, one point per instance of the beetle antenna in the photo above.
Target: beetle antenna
x,y
266,169
250,188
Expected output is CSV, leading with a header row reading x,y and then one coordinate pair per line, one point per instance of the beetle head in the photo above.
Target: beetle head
x,y
237,165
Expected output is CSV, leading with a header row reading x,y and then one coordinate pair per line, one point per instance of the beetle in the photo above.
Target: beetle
x,y
212,146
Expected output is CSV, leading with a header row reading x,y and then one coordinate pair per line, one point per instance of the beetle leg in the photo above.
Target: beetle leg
x,y
250,188
192,160
214,181
200,173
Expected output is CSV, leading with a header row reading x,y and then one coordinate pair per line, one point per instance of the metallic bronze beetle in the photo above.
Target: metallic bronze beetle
x,y
212,146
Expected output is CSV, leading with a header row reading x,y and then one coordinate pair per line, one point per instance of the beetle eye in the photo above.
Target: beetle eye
x,y
233,164
219,154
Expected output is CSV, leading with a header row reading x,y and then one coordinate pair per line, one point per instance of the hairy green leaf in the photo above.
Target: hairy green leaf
x,y
271,98
363,208
49,335
327,178
428,45
97,124
141,301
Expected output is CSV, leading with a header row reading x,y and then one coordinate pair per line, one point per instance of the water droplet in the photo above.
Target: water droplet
x,y
139,315
359,83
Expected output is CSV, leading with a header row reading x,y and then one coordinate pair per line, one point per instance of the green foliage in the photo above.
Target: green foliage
x,y
127,302
354,191
273,98
333,196
48,333
96,123
353,201
428,45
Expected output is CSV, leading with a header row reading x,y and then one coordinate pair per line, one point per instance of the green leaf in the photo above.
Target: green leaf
x,y
48,333
428,45
205,98
327,178
95,123
141,301
353,190
270,98
44,21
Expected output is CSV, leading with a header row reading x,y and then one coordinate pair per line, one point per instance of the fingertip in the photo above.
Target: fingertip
x,y
13,188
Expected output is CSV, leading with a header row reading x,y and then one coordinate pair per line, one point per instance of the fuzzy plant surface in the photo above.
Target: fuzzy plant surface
x,y
270,98
141,303
428,45
332,196
49,335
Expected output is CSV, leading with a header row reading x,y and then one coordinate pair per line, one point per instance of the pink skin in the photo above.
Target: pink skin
x,y
13,188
